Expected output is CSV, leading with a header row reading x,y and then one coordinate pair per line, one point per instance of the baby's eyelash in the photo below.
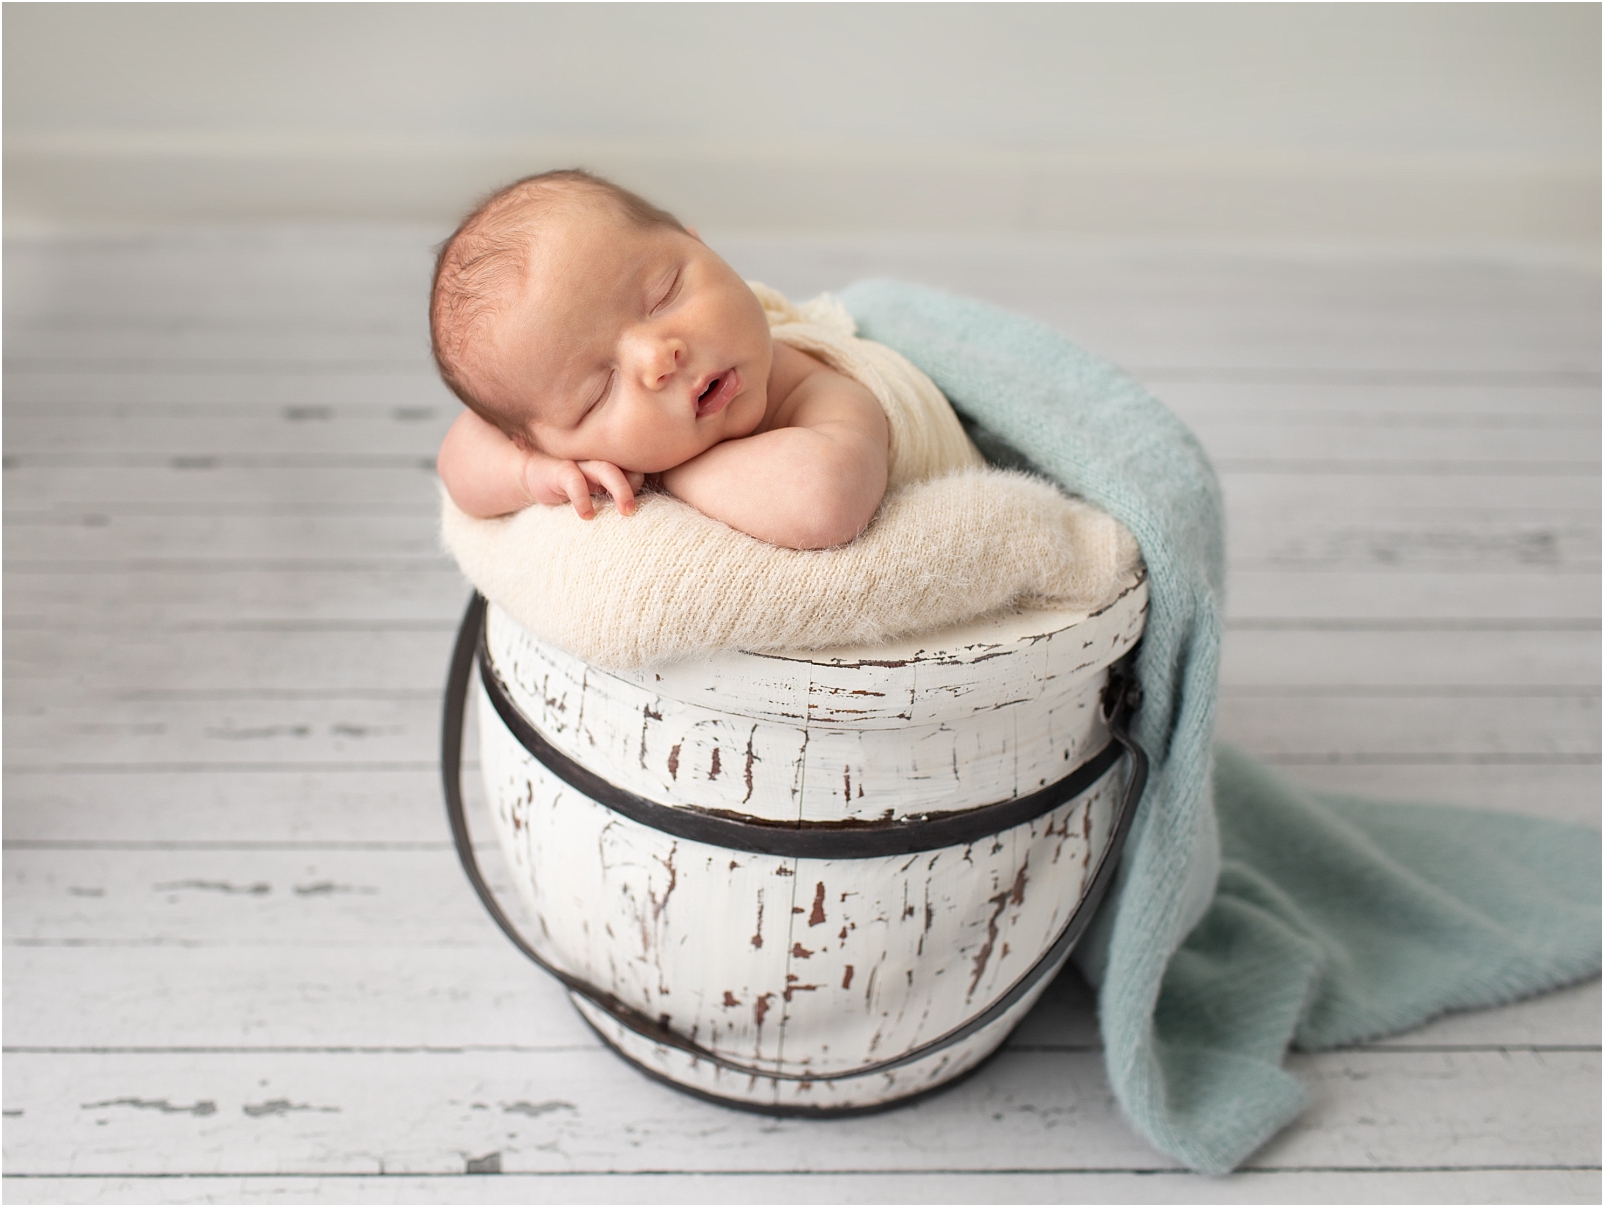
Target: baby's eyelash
x,y
668,296
607,388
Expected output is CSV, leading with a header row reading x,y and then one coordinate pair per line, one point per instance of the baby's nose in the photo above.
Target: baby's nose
x,y
660,359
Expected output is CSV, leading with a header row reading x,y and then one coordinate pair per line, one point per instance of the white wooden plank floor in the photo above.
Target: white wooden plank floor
x,y
241,962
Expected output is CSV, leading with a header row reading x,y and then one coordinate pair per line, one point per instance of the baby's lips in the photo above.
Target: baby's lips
x,y
729,384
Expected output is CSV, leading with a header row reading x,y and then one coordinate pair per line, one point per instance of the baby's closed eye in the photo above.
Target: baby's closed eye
x,y
668,292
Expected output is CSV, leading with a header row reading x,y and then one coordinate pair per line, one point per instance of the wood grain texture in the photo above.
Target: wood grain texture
x,y
788,1186
567,1111
226,625
246,992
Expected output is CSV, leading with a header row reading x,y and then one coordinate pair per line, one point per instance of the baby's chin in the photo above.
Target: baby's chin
x,y
745,414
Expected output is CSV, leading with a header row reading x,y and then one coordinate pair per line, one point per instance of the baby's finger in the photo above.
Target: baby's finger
x,y
577,487
615,482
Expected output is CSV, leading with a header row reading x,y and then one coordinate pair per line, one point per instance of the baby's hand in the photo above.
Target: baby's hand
x,y
548,480
489,475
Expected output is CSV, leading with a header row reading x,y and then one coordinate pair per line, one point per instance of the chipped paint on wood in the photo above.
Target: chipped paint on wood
x,y
1006,703
853,960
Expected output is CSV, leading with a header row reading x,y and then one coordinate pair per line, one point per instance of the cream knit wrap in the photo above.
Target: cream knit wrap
x,y
953,540
927,441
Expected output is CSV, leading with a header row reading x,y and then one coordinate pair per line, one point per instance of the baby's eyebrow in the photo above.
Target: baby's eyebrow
x,y
655,270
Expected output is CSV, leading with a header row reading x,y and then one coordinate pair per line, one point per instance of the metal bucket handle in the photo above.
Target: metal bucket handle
x,y
1121,698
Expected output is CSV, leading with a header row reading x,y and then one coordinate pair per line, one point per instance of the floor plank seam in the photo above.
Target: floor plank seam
x,y
409,565
1306,466
205,768
365,1049
1277,759
1491,624
209,461
303,1049
43,624
1244,375
1413,691
92,844
1390,759
214,694
1054,1171
1418,1048
257,945
276,367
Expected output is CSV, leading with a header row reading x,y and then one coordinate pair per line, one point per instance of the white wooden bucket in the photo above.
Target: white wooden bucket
x,y
814,882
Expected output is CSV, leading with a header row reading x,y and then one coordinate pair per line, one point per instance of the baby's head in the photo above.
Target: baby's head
x,y
588,323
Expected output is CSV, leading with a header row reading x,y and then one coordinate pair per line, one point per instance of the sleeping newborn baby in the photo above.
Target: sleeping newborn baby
x,y
597,342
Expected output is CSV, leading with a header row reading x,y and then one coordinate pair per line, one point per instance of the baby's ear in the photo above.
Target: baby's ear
x,y
691,231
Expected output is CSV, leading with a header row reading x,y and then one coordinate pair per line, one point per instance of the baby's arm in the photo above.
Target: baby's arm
x,y
811,481
488,475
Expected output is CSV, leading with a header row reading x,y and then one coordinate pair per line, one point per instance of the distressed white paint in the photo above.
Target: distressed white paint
x,y
800,966
997,708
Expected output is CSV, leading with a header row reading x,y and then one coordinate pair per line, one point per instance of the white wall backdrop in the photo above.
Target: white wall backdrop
x,y
1453,121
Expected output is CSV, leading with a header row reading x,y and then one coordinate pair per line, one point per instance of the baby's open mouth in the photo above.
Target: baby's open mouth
x,y
718,392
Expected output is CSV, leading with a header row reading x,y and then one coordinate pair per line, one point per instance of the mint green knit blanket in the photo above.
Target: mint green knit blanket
x,y
1250,915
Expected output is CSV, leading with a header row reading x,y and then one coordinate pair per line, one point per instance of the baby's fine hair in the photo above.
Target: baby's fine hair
x,y
480,267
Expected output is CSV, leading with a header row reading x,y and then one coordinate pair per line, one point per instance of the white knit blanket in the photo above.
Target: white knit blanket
x,y
953,540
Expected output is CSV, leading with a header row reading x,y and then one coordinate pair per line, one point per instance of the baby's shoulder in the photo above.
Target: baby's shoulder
x,y
812,392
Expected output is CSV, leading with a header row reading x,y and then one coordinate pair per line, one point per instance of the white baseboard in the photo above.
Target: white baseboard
x,y
817,190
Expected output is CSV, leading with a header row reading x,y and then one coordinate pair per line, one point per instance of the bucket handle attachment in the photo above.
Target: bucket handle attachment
x,y
1121,698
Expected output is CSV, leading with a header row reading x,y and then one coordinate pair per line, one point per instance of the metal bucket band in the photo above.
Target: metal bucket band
x,y
791,840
